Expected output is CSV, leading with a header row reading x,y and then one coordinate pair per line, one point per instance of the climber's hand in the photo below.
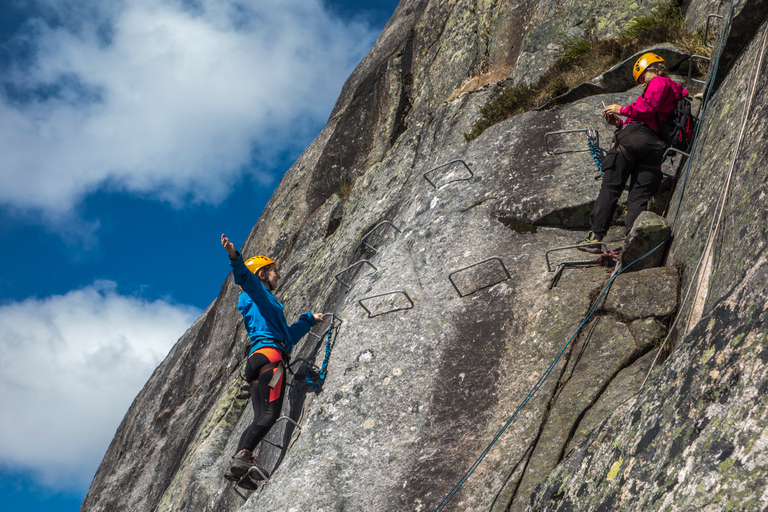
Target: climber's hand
x,y
229,246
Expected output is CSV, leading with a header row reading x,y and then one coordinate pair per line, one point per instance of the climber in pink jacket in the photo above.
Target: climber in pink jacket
x,y
638,151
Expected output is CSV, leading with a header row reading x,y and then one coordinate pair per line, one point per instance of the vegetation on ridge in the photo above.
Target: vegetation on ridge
x,y
585,56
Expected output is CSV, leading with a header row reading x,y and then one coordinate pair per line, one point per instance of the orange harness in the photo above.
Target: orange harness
x,y
275,358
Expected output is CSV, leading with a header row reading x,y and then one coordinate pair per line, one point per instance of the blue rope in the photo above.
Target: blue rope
x,y
541,380
595,150
324,367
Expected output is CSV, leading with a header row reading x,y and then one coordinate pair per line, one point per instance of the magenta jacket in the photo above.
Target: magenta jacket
x,y
655,104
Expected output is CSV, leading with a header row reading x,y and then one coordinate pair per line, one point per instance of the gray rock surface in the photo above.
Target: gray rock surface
x,y
694,438
413,396
619,78
647,293
648,234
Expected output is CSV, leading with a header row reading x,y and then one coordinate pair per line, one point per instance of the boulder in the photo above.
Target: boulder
x,y
648,234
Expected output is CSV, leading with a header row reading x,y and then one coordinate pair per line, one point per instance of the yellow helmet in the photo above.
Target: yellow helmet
x,y
642,64
257,262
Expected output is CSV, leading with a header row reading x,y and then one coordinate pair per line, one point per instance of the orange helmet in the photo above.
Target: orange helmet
x,y
257,262
642,64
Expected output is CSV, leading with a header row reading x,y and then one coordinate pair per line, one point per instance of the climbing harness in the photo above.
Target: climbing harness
x,y
321,375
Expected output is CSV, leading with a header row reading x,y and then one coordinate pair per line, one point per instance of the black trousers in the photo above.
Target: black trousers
x,y
636,157
265,413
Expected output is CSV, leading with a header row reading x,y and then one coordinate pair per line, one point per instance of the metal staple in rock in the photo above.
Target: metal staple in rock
x,y
541,379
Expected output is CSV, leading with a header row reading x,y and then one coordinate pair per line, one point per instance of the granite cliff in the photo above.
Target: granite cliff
x,y
418,388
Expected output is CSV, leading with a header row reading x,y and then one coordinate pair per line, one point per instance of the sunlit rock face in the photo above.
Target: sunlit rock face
x,y
420,380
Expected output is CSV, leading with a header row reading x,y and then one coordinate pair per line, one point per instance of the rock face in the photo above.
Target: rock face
x,y
414,394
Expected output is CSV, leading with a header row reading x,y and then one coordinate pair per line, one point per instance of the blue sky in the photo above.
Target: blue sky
x,y
132,134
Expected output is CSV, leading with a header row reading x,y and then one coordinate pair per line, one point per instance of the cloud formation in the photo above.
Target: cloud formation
x,y
70,366
172,99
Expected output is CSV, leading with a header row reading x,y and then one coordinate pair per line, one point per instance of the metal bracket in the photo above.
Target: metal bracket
x,y
673,150
251,470
349,287
377,226
690,67
334,320
289,420
284,418
564,264
382,295
586,131
462,162
546,254
450,276
706,29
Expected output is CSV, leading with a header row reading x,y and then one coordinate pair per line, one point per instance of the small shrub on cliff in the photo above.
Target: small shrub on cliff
x,y
663,24
579,45
345,188
511,101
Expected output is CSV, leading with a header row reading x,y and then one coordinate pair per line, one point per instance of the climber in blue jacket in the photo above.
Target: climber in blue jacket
x,y
272,340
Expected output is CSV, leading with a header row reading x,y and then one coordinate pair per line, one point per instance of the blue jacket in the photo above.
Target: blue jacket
x,y
263,314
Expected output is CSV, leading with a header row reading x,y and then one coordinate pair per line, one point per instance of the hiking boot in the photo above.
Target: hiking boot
x,y
255,474
247,483
241,463
591,243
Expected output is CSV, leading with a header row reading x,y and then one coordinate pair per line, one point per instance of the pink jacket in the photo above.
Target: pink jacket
x,y
657,102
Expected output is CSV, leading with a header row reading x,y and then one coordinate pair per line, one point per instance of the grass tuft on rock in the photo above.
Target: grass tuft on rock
x,y
585,56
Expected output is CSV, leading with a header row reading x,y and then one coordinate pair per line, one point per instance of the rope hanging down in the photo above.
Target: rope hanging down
x,y
321,376
594,149
541,380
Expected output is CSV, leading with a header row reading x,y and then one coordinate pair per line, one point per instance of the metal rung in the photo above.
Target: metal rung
x,y
563,265
450,276
297,361
546,254
349,287
334,320
377,226
273,444
706,29
289,420
462,162
382,295
234,486
585,131
673,150
690,67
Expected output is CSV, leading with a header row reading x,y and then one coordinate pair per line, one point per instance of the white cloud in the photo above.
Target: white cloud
x,y
174,102
70,366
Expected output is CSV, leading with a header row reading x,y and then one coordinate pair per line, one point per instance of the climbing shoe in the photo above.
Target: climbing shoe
x,y
255,475
241,463
247,483
591,243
